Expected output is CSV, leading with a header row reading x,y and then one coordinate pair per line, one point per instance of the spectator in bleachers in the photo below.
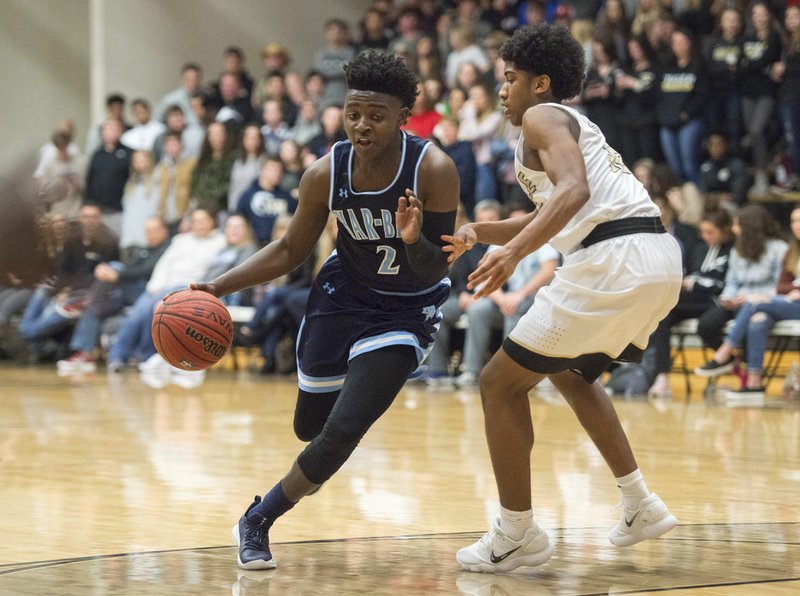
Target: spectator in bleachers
x,y
192,134
330,59
115,110
275,129
761,48
456,98
172,178
464,49
238,94
636,87
479,119
788,73
658,33
212,174
139,202
756,316
187,258
375,35
646,12
722,174
467,14
613,27
706,266
48,151
599,97
460,298
291,157
274,88
723,55
246,167
684,199
332,131
191,80
143,135
265,201
306,125
116,284
680,101
240,247
429,61
423,117
108,172
231,106
753,270
502,15
276,58
462,155
55,306
407,32
62,177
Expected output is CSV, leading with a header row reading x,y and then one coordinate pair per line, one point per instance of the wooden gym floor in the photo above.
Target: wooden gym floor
x,y
109,486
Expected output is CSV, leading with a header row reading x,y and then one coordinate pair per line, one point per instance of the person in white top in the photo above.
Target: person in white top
x,y
621,275
142,137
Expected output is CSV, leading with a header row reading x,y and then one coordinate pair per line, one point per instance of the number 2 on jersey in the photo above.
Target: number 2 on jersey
x,y
388,266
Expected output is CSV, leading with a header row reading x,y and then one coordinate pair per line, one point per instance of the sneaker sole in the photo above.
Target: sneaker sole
x,y
722,370
510,564
258,563
649,532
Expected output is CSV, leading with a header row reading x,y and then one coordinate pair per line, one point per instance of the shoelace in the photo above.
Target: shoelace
x,y
257,534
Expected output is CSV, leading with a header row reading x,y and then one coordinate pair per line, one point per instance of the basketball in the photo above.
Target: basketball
x,y
192,329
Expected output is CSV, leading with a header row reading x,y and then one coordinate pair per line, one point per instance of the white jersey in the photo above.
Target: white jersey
x,y
615,192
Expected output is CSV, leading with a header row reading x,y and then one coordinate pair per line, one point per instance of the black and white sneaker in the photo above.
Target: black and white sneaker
x,y
712,368
252,538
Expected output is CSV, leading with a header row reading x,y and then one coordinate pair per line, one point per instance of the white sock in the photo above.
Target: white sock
x,y
514,523
633,488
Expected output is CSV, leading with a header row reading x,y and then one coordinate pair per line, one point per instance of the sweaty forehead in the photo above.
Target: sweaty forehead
x,y
371,99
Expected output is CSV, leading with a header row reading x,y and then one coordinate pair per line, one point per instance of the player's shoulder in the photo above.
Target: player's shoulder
x,y
436,162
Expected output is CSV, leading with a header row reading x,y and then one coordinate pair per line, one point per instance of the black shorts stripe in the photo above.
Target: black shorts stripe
x,y
589,366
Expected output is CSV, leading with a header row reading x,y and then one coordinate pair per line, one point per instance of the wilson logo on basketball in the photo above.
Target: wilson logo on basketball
x,y
209,345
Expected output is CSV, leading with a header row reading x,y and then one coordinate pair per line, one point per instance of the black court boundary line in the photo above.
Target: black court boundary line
x,y
9,568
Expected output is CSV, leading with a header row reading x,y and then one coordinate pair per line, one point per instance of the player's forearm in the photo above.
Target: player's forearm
x,y
500,232
272,261
427,259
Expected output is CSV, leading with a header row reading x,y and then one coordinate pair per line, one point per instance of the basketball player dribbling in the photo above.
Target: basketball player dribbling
x,y
621,275
375,303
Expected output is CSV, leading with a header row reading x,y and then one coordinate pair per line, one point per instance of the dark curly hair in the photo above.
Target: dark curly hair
x,y
382,73
551,50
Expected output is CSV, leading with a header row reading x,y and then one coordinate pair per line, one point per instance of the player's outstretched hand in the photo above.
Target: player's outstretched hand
x,y
409,217
204,287
459,243
492,272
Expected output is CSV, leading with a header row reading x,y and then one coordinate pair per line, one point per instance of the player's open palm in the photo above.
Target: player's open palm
x,y
459,243
493,270
409,217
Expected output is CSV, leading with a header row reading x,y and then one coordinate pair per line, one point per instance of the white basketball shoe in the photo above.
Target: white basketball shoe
x,y
650,520
496,553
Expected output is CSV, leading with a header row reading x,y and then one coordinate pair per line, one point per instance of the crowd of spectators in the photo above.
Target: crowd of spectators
x,y
701,98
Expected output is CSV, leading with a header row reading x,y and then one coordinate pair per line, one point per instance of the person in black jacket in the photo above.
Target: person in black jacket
x,y
707,263
116,285
680,102
722,57
636,119
722,174
761,48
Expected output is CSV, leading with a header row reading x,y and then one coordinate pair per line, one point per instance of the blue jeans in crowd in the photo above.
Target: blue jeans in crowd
x,y
755,329
105,300
40,319
134,340
681,148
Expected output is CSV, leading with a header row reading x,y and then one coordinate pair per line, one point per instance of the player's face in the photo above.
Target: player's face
x,y
516,94
371,120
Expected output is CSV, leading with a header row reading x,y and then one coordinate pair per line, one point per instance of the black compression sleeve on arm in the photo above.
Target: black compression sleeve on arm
x,y
425,256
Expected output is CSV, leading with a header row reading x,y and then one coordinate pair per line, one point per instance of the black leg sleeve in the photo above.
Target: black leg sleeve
x,y
373,381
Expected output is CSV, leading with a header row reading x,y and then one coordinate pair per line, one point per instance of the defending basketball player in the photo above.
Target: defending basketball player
x,y
374,306
621,275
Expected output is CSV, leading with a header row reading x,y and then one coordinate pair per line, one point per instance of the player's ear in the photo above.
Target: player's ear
x,y
541,83
403,116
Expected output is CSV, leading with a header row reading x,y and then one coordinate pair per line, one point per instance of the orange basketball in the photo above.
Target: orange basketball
x,y
192,329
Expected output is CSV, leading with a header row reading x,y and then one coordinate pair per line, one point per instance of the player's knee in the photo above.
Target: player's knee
x,y
307,430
